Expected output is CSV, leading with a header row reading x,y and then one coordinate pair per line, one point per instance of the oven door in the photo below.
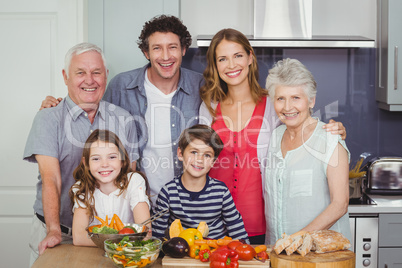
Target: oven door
x,y
365,239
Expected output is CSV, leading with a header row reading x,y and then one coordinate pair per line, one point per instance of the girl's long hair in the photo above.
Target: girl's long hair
x,y
215,89
85,190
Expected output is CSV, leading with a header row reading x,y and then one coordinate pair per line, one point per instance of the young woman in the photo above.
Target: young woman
x,y
105,186
236,107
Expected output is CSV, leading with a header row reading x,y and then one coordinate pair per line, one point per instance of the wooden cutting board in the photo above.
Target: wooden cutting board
x,y
341,259
168,262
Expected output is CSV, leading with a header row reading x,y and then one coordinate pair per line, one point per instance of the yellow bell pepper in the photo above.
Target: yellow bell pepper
x,y
190,235
194,250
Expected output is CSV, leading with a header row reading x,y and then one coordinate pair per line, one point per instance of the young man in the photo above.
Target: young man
x,y
162,96
194,196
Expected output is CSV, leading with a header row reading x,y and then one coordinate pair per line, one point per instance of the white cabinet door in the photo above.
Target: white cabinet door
x,y
115,25
35,35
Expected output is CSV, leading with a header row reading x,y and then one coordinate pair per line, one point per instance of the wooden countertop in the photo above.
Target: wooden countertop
x,y
73,256
70,256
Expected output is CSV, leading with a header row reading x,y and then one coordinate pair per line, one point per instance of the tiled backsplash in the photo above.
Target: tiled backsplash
x,y
345,92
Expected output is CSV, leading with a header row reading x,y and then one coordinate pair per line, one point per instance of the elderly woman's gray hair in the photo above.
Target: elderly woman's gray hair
x,y
79,49
290,72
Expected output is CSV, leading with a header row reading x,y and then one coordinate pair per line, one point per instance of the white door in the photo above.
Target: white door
x,y
35,35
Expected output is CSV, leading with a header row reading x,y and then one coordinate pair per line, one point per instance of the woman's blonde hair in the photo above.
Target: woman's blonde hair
x,y
215,89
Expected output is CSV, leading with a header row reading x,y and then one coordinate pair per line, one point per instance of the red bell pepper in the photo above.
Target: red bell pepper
x,y
224,257
204,255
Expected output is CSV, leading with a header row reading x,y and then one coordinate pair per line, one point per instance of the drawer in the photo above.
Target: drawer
x,y
390,230
389,257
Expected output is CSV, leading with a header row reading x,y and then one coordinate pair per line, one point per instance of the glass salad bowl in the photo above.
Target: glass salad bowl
x,y
131,252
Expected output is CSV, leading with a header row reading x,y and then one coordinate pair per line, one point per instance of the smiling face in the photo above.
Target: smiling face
x,y
105,164
232,62
86,80
165,55
292,105
197,158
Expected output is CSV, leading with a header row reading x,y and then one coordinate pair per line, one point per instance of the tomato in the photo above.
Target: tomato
x,y
126,230
234,244
131,227
262,255
246,252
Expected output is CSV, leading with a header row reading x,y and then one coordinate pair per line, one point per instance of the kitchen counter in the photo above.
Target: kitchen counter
x,y
70,256
384,204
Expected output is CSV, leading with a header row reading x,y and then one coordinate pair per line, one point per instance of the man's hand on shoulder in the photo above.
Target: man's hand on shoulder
x,y
336,128
52,239
50,101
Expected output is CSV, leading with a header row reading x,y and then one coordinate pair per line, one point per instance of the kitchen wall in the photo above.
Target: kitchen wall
x,y
345,93
346,77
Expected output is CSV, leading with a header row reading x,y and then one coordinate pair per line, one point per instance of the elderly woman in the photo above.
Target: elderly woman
x,y
307,172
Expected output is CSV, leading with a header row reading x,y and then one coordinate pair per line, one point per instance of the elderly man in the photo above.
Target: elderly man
x,y
57,137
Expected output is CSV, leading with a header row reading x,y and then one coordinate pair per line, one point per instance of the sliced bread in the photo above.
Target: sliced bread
x,y
306,245
282,243
297,241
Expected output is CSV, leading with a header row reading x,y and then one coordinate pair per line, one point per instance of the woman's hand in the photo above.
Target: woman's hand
x,y
336,128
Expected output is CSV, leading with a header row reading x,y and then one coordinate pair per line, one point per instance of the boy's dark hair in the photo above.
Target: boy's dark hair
x,y
164,24
203,133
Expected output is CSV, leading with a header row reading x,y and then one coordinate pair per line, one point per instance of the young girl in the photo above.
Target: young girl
x,y
105,186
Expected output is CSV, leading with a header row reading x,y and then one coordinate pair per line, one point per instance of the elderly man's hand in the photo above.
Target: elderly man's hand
x,y
336,128
52,239
50,101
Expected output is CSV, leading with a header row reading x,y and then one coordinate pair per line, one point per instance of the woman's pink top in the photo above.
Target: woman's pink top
x,y
238,167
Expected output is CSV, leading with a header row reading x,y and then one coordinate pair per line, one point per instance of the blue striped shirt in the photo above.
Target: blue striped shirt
x,y
213,204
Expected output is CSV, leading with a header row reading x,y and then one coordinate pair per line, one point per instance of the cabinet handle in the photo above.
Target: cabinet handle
x,y
396,68
386,266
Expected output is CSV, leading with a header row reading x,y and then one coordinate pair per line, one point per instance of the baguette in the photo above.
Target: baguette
x,y
297,241
305,248
282,243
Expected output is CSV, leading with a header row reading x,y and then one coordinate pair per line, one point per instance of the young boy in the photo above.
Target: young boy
x,y
194,196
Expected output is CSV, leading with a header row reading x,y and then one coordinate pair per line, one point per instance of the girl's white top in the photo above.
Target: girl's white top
x,y
121,205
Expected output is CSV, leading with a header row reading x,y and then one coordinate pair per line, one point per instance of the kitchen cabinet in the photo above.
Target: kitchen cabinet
x,y
389,60
115,25
390,230
390,240
390,257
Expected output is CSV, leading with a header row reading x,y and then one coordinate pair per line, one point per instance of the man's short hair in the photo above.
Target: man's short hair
x,y
164,24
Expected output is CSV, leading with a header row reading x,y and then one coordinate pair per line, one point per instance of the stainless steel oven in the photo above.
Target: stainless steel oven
x,y
364,229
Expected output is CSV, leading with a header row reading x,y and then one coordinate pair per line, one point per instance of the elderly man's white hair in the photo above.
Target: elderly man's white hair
x,y
79,49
